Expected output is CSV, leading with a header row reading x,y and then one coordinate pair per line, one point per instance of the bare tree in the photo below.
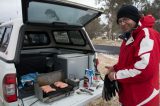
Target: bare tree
x,y
94,28
110,8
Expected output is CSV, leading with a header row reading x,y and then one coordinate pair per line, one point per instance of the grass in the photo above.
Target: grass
x,y
101,41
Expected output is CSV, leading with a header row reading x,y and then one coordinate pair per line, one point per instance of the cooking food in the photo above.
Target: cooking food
x,y
47,88
60,84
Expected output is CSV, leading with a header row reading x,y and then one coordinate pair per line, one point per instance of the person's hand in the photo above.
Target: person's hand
x,y
109,68
112,76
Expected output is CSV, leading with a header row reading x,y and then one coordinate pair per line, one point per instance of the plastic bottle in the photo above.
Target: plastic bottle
x,y
89,74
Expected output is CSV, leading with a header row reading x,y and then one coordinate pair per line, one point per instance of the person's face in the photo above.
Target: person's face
x,y
126,24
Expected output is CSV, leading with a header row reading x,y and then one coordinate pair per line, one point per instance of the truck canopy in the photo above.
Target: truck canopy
x,y
57,12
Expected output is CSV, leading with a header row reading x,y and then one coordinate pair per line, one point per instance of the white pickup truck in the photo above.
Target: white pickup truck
x,y
49,36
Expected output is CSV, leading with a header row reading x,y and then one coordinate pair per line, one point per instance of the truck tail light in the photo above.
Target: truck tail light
x,y
9,88
96,62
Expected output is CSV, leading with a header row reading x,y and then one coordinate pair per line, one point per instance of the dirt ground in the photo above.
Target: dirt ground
x,y
103,61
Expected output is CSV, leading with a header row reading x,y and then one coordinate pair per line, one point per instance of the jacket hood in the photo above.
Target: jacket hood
x,y
147,21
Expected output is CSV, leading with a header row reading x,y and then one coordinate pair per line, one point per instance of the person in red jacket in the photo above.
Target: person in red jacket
x,y
137,69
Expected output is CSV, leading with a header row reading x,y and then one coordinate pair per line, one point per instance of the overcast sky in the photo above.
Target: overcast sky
x,y
12,8
86,2
9,8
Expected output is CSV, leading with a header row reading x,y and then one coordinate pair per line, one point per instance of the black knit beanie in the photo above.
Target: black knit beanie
x,y
128,11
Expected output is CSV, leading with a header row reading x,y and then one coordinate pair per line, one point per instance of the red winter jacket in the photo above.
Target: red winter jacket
x,y
137,70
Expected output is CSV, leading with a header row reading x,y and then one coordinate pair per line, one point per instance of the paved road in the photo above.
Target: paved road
x,y
114,50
